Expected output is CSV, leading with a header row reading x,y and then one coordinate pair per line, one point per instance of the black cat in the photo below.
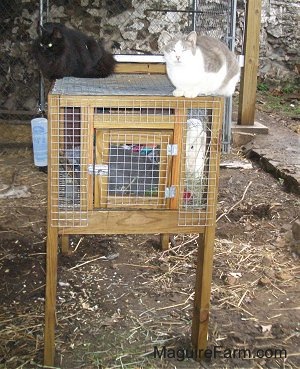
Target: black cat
x,y
64,52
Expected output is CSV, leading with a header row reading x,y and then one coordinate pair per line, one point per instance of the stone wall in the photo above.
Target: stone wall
x,y
280,39
133,25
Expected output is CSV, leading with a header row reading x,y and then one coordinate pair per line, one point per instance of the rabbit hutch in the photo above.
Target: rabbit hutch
x,y
127,157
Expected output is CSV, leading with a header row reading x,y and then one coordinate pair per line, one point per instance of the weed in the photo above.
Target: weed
x,y
263,87
290,88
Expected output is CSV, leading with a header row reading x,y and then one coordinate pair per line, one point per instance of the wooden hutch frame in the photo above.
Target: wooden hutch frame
x,y
107,221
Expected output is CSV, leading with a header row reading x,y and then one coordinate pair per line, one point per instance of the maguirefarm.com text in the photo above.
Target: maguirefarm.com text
x,y
217,352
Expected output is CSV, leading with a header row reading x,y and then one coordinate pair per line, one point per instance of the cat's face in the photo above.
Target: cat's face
x,y
51,40
178,49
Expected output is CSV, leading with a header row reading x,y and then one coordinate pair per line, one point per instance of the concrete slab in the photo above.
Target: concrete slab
x,y
257,128
278,153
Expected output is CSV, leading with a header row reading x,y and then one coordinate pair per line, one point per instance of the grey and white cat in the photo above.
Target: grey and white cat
x,y
199,65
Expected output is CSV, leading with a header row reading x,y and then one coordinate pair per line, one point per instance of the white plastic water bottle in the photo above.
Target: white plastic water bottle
x,y
39,129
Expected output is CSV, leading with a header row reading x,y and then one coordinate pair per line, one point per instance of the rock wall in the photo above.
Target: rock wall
x,y
134,25
280,39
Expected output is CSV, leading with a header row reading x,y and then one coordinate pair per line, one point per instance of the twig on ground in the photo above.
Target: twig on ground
x,y
236,204
87,262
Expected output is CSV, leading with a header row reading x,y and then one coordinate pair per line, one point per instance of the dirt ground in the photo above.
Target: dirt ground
x,y
119,297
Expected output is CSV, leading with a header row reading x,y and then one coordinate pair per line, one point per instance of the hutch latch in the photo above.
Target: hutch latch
x,y
172,150
170,192
98,169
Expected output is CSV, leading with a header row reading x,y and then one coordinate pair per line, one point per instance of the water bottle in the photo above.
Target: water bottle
x,y
39,129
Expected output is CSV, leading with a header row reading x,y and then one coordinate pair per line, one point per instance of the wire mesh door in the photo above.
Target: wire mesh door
x,y
132,168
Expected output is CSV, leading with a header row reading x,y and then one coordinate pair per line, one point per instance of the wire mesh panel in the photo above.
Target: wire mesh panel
x,y
69,142
218,19
198,166
214,18
133,146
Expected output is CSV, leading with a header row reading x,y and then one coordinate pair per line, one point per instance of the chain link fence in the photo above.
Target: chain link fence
x,y
18,74
127,27
134,26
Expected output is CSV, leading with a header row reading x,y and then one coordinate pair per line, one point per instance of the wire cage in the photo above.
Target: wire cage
x,y
125,142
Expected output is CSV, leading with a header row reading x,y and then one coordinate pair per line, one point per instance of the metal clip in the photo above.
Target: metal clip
x,y
170,192
98,169
172,149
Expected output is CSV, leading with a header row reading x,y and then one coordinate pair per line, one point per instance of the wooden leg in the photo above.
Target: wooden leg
x,y
65,245
50,304
203,289
164,241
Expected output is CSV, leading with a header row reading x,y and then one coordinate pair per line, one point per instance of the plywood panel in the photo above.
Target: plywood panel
x,y
133,222
121,120
141,68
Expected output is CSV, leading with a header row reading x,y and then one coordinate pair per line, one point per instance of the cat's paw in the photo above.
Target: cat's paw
x,y
190,94
178,92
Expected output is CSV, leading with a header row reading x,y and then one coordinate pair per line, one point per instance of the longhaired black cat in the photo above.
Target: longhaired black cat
x,y
64,52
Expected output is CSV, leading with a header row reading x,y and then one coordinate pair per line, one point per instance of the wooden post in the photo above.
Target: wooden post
x,y
65,245
248,84
164,241
50,304
52,237
203,289
206,244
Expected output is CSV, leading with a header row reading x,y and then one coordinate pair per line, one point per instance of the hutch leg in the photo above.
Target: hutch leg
x,y
164,241
203,289
65,245
50,304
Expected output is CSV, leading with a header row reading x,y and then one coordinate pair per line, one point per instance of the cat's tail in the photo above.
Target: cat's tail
x,y
106,65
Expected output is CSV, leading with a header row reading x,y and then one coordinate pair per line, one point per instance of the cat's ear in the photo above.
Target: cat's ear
x,y
192,37
57,33
166,37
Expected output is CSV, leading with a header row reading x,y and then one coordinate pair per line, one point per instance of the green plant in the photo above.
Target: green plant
x,y
262,86
289,89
